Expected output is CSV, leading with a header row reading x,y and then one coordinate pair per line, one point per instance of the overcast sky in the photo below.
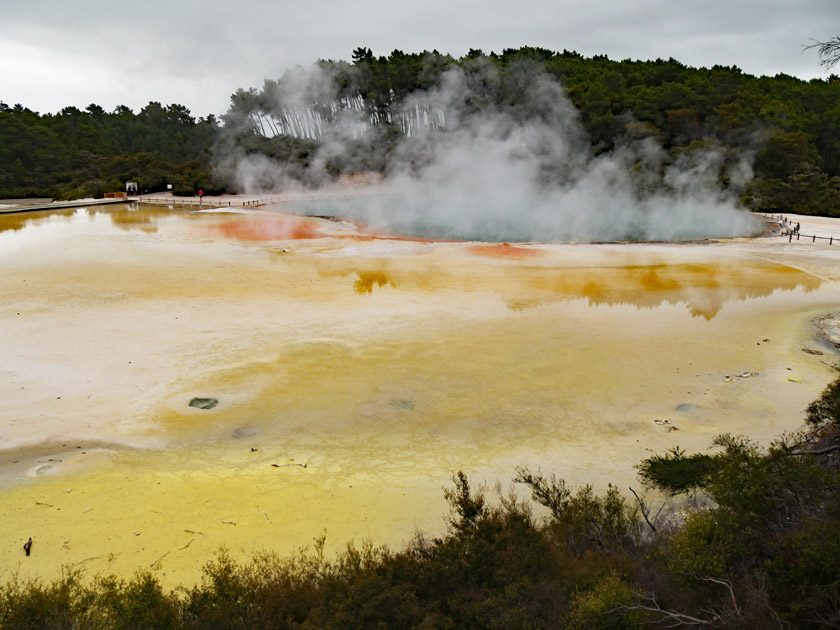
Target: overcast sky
x,y
55,53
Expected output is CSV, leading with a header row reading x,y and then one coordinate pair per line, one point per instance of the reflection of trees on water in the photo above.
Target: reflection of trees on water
x,y
144,219
18,220
703,288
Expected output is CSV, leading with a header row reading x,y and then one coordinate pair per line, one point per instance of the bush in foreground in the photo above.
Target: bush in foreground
x,y
760,550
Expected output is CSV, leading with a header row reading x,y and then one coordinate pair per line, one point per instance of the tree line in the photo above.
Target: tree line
x,y
788,128
86,153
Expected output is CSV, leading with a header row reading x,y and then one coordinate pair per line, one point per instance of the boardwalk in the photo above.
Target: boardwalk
x,y
806,228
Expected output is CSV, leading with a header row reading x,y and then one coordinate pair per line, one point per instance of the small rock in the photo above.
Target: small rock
x,y
204,403
810,351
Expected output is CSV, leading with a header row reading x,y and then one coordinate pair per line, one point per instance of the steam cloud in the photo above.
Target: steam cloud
x,y
524,172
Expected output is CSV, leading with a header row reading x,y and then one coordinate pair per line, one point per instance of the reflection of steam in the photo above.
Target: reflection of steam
x,y
518,172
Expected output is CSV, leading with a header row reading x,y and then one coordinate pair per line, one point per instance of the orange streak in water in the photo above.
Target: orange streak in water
x,y
357,237
267,229
504,250
376,234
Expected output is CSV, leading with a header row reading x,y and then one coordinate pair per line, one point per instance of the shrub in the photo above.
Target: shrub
x,y
825,410
603,606
675,472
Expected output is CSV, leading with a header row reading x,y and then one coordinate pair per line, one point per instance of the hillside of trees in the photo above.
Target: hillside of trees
x,y
788,129
75,153
753,544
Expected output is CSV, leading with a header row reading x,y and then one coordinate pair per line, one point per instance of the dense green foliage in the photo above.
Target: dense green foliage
x,y
788,128
675,472
86,153
760,550
825,410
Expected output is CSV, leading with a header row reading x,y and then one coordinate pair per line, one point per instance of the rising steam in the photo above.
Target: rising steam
x,y
467,168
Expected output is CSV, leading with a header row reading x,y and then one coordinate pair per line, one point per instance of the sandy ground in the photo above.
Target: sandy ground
x,y
355,374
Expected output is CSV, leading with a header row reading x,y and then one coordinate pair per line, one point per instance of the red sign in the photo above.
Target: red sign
x,y
200,193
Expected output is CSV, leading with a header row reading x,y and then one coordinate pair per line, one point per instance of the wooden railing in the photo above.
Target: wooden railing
x,y
795,235
200,203
216,203
792,232
250,203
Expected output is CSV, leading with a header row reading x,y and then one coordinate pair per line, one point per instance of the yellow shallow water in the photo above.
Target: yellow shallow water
x,y
381,365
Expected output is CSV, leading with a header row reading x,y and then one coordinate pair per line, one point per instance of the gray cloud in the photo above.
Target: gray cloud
x,y
198,52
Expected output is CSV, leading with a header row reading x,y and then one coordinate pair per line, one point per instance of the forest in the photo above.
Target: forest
x,y
85,153
750,539
788,130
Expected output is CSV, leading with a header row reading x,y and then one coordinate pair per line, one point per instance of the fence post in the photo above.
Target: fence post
x,y
814,240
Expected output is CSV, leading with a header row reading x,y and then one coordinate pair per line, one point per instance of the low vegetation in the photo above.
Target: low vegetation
x,y
756,544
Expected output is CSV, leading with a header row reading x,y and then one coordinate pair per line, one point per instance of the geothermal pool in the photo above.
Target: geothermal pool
x,y
354,374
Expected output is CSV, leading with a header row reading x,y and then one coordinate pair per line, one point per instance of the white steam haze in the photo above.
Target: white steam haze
x,y
518,173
